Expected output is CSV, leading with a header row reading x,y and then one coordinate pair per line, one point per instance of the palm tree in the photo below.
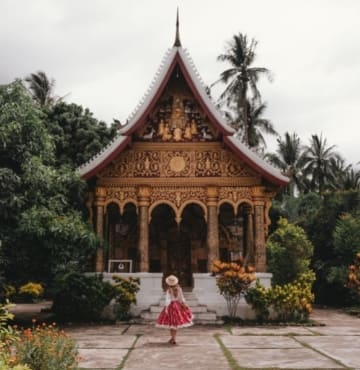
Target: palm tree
x,y
318,168
41,88
345,177
289,158
240,54
256,124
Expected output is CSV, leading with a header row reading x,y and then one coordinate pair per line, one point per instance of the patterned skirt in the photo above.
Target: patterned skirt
x,y
177,316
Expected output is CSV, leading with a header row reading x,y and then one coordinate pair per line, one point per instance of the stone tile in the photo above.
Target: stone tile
x,y
97,330
336,330
104,359
182,340
272,330
160,356
105,341
260,342
192,330
298,358
345,349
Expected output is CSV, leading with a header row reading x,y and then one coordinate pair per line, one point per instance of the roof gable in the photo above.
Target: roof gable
x,y
139,124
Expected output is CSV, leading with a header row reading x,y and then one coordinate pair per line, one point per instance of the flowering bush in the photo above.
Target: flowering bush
x,y
354,276
46,347
233,279
126,295
31,290
290,302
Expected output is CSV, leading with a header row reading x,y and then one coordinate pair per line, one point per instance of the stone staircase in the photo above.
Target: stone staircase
x,y
202,315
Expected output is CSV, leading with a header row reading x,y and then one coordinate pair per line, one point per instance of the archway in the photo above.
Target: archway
x,y
121,233
231,233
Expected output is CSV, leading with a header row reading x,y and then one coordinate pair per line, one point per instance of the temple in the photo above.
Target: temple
x,y
176,189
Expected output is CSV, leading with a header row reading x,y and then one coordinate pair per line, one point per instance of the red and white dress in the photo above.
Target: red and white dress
x,y
176,314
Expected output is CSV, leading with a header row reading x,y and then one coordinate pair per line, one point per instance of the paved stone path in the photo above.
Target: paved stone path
x,y
336,345
133,347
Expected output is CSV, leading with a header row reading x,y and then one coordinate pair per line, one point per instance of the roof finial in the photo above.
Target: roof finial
x,y
177,35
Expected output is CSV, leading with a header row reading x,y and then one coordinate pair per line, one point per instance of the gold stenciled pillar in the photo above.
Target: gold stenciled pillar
x,y
213,225
249,241
144,201
259,214
100,194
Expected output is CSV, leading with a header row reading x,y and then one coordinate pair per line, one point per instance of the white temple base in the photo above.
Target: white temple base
x,y
205,289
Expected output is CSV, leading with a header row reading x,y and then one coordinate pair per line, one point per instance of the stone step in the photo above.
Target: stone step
x,y
189,302
194,309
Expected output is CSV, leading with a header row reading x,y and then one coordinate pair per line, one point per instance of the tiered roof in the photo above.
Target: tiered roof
x,y
177,56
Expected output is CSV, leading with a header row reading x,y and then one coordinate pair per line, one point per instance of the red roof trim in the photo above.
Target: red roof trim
x,y
199,98
253,165
177,60
107,160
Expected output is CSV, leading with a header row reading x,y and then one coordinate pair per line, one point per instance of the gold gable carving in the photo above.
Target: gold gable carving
x,y
176,163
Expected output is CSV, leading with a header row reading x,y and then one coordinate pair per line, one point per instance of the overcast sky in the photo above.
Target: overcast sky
x,y
104,54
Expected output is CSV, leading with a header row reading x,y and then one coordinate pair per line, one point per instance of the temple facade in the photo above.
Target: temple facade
x,y
176,189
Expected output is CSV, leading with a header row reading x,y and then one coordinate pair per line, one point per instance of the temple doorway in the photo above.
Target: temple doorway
x,y
176,248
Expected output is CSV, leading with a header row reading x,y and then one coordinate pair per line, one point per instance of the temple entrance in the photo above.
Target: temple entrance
x,y
175,249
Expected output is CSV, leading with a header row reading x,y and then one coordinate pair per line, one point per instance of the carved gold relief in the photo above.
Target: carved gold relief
x,y
177,117
137,163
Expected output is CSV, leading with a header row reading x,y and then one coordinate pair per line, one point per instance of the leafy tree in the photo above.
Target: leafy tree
x,y
289,252
42,229
241,76
77,134
346,238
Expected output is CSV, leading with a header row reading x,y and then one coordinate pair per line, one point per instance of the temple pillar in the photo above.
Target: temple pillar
x,y
259,215
100,194
249,235
212,225
143,246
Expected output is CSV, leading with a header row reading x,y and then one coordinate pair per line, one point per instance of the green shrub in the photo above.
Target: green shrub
x,y
354,276
31,291
260,300
45,347
81,298
288,252
290,302
126,290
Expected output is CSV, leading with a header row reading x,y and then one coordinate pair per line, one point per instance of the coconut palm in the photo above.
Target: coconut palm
x,y
289,158
41,88
318,168
240,54
257,125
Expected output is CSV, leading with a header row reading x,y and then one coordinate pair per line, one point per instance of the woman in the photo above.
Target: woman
x,y
176,313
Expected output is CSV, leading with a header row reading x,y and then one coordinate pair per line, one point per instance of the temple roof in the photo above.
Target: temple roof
x,y
177,56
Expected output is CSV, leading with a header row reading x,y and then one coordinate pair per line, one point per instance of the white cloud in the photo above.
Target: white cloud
x,y
105,54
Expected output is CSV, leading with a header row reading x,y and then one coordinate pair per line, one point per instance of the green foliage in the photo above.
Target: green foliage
x,y
31,290
78,135
289,252
260,300
81,298
290,302
327,261
8,335
42,227
45,347
126,289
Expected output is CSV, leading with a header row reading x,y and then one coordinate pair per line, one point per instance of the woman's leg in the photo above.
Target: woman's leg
x,y
173,335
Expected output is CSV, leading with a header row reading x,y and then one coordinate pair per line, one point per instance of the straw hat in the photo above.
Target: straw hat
x,y
172,280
